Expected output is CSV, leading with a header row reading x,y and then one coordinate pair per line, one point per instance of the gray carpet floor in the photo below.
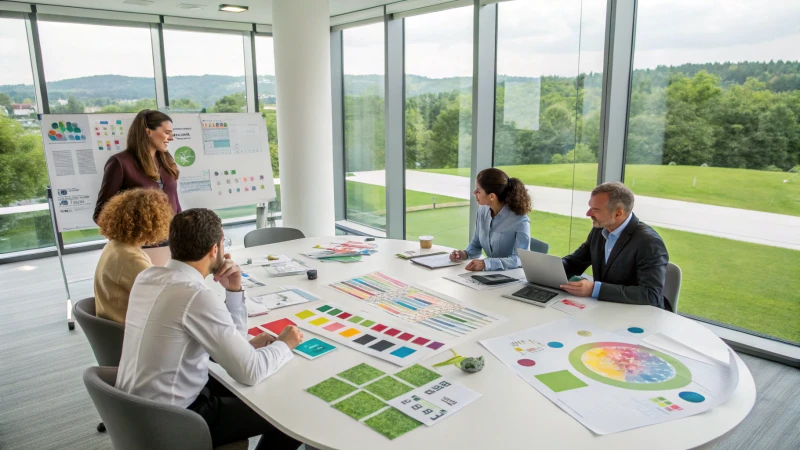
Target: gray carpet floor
x,y
44,405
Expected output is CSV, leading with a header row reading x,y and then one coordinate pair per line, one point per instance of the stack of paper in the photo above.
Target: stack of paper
x,y
292,267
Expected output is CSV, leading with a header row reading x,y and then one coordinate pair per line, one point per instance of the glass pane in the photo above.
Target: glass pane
x,y
97,68
265,74
713,153
547,110
205,70
363,55
24,213
439,125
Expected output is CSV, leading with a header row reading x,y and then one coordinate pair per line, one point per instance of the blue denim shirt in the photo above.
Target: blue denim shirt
x,y
499,238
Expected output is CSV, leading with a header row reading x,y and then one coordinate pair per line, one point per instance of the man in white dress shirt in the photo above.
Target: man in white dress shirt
x,y
174,322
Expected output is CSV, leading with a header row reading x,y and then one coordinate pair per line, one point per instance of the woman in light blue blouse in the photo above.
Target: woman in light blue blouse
x,y
502,225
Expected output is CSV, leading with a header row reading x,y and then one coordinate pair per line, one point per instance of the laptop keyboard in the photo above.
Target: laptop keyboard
x,y
536,294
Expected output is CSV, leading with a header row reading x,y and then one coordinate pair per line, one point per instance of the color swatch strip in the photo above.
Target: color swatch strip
x,y
415,304
372,337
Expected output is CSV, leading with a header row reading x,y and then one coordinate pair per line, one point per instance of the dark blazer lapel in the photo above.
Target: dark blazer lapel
x,y
621,242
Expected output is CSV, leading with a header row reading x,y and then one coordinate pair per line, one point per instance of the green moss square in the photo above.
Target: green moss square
x,y
417,375
392,423
359,405
360,374
388,388
331,389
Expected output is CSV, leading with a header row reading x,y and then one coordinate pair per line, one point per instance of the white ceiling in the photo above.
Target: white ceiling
x,y
260,10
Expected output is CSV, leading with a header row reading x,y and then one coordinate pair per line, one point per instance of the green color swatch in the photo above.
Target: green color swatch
x,y
356,319
360,374
388,388
367,323
359,405
331,389
561,381
417,375
392,423
324,308
335,311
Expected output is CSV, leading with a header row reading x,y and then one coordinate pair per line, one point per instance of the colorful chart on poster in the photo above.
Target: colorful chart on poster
x,y
78,146
629,366
611,382
416,304
401,345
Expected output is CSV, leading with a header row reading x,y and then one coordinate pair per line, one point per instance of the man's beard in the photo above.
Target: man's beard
x,y
218,263
597,224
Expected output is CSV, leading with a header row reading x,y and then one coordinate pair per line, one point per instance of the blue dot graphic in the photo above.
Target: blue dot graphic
x,y
555,344
692,397
636,330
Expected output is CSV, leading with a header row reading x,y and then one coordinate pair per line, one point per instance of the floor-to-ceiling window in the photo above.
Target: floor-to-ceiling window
x,y
205,70
438,112
364,144
24,213
713,154
96,69
547,110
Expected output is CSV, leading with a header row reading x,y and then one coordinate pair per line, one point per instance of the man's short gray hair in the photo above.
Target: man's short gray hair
x,y
619,196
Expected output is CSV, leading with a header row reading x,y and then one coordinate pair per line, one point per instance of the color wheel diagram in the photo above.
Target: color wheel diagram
x,y
629,366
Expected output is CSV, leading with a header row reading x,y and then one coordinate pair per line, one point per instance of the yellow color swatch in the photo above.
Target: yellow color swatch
x,y
319,321
350,332
304,314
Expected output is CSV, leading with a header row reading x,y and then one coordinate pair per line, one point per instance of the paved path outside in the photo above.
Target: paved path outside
x,y
739,224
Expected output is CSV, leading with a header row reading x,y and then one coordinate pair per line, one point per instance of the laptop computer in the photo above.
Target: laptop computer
x,y
544,273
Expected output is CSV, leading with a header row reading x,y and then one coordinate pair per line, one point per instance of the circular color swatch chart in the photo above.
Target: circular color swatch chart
x,y
629,366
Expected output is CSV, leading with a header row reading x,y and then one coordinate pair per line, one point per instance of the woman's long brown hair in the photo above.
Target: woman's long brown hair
x,y
139,144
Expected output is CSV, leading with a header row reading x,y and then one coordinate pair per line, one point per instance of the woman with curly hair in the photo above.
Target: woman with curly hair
x,y
130,220
502,225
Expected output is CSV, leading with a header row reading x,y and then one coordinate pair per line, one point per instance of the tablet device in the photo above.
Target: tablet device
x,y
491,279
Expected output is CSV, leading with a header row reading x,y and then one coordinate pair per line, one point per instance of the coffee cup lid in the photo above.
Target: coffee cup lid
x,y
426,238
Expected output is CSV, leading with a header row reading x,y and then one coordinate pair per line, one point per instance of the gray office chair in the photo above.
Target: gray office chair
x,y
105,336
264,236
672,285
136,423
539,246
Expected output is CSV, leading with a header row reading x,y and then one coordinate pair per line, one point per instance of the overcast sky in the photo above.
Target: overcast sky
x,y
535,37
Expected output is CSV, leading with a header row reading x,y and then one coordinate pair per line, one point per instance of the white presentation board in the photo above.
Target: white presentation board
x,y
223,159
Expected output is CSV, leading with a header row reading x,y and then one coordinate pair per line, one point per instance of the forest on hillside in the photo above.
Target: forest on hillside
x,y
723,115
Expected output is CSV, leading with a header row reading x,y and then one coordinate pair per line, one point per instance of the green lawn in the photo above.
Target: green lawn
x,y
736,188
739,283
366,203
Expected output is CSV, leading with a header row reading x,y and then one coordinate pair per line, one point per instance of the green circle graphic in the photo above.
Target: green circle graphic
x,y
184,156
682,374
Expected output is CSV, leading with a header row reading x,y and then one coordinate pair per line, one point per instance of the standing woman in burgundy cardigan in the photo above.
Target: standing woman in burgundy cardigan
x,y
145,163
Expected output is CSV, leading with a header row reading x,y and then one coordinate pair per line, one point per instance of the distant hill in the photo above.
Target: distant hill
x,y
778,76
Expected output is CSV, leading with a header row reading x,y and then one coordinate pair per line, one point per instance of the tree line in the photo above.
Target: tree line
x,y
739,116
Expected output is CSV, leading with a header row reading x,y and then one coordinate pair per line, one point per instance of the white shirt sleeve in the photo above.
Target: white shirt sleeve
x,y
234,301
212,325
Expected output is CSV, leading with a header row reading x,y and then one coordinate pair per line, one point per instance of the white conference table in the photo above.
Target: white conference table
x,y
509,414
